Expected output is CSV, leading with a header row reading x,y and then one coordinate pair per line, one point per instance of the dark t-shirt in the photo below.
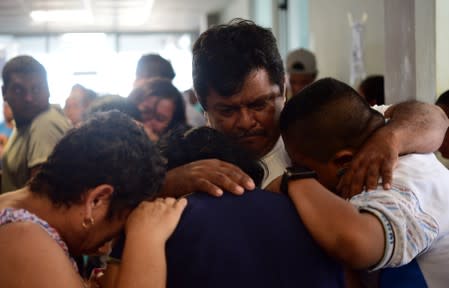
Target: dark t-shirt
x,y
254,240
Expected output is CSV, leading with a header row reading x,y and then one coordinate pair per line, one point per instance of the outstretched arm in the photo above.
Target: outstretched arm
x,y
413,127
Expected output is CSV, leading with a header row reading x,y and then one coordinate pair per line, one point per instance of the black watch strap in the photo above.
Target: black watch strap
x,y
294,173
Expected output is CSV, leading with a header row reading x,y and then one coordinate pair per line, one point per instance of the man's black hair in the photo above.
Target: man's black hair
x,y
327,116
153,66
109,148
180,147
225,55
23,64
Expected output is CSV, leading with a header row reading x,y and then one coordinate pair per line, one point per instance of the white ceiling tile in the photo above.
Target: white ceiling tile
x,y
109,15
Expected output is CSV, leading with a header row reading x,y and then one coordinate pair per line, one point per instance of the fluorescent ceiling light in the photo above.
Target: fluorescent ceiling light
x,y
136,16
61,16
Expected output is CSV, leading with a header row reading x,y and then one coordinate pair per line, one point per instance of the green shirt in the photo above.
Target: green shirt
x,y
30,146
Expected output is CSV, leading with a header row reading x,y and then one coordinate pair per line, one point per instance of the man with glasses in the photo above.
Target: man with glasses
x,y
239,79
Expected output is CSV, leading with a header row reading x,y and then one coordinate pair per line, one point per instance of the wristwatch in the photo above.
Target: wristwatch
x,y
294,173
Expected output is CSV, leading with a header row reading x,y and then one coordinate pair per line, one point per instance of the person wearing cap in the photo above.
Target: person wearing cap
x,y
301,69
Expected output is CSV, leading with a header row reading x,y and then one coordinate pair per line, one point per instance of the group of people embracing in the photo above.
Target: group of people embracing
x,y
321,191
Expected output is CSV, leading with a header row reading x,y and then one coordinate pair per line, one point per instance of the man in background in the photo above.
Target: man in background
x,y
38,125
153,66
301,69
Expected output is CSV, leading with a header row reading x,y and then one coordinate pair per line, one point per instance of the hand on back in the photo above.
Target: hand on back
x,y
212,176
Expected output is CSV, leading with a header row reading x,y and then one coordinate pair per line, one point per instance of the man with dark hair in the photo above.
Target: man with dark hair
x,y
238,76
323,127
153,66
443,152
38,125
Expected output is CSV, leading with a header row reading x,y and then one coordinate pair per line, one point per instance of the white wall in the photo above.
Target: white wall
x,y
298,26
330,35
235,9
262,12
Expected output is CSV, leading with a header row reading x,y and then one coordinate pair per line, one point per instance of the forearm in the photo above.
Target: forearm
x,y
415,127
143,263
356,239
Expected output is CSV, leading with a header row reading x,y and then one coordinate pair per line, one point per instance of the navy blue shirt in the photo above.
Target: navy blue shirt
x,y
254,240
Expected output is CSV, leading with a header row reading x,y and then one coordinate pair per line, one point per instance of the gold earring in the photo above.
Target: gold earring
x,y
88,222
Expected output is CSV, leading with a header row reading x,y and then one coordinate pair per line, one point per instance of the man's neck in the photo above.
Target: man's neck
x,y
272,146
20,123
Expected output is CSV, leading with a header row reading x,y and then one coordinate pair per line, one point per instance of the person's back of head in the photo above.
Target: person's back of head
x,y
372,88
325,117
154,66
109,148
113,102
180,148
301,68
224,55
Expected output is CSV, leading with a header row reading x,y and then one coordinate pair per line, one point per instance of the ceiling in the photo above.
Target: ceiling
x,y
106,15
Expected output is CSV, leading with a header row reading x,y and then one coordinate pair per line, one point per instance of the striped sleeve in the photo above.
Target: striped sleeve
x,y
408,229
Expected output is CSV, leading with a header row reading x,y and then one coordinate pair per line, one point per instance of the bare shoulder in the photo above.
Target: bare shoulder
x,y
31,258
